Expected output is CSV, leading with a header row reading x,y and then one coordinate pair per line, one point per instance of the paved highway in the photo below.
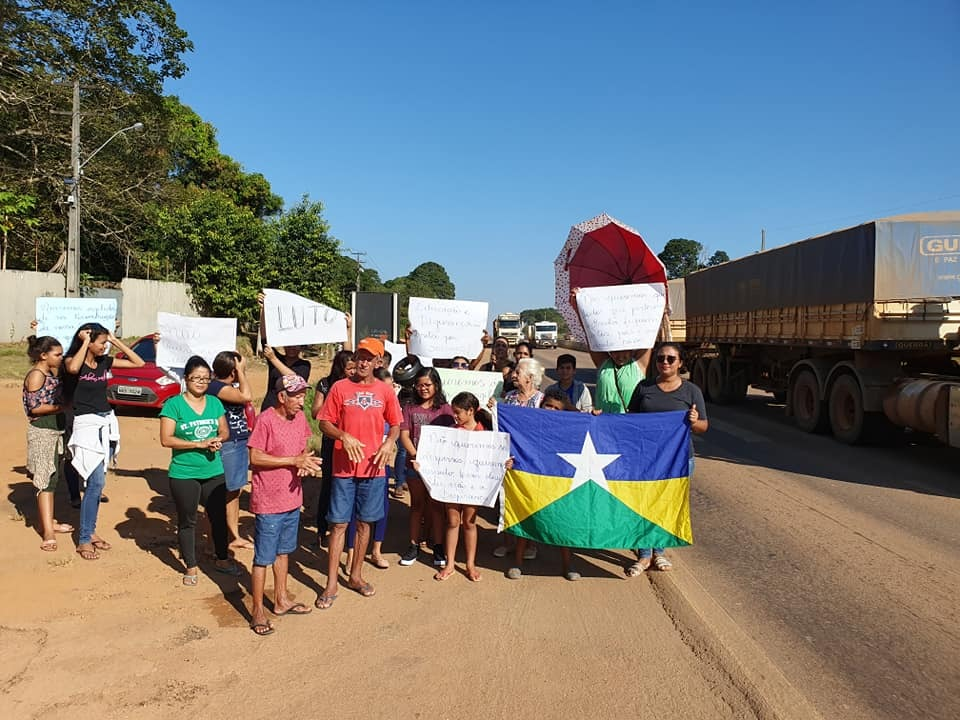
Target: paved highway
x,y
842,564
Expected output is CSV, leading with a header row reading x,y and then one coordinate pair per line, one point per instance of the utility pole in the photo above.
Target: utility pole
x,y
358,255
73,229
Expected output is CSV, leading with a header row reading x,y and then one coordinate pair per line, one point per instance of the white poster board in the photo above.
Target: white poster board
x,y
621,317
182,336
446,328
294,320
484,385
60,317
462,467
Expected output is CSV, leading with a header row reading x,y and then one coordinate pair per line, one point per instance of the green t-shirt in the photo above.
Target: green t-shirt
x,y
615,386
194,464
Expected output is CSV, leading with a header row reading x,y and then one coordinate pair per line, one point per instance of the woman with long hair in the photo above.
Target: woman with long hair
x,y
429,408
43,404
94,433
194,426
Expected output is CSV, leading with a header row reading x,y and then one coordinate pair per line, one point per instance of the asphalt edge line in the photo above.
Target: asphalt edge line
x,y
708,629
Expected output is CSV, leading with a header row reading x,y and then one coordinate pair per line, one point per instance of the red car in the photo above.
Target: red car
x,y
147,386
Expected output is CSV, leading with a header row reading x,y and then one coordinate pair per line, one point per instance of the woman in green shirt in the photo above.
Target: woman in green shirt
x,y
194,426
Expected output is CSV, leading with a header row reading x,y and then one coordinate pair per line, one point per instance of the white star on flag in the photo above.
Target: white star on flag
x,y
589,464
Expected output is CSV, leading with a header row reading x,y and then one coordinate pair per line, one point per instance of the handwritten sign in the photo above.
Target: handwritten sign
x,y
294,320
181,337
462,467
60,317
446,328
484,385
621,317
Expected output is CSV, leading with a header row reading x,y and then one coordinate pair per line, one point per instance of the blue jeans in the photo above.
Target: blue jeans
x,y
363,496
400,467
379,527
90,504
643,553
275,534
236,463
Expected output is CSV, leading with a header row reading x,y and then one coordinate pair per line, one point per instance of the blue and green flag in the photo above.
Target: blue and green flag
x,y
597,481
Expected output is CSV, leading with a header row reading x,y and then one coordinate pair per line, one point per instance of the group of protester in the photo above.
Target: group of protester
x,y
369,424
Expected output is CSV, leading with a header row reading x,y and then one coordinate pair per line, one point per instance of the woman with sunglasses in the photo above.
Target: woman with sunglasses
x,y
667,391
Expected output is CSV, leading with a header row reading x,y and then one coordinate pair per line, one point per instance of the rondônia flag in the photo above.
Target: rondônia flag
x,y
597,481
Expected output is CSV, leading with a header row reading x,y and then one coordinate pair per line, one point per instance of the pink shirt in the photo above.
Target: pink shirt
x,y
361,410
277,490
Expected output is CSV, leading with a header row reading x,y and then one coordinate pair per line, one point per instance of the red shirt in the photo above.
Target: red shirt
x,y
362,410
277,490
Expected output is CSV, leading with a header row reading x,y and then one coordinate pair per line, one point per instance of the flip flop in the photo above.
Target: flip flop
x,y
63,528
88,554
382,565
324,602
101,544
366,590
295,609
49,545
190,580
440,576
262,629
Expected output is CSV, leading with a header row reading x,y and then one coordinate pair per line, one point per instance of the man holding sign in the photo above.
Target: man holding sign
x,y
354,415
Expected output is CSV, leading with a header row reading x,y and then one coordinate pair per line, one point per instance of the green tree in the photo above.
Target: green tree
x,y
304,255
549,314
427,280
224,249
681,257
718,257
16,211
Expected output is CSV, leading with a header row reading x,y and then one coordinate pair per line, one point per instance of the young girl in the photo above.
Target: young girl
x,y
43,404
194,426
430,408
468,416
95,430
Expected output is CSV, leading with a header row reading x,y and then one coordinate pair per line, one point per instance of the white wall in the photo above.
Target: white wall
x,y
19,290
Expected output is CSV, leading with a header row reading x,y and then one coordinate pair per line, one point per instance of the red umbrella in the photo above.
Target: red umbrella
x,y
600,252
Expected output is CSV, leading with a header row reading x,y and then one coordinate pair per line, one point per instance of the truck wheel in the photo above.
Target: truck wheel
x,y
846,410
808,408
699,377
738,385
716,384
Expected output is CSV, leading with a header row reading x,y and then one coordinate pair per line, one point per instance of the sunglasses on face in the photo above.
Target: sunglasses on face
x,y
667,359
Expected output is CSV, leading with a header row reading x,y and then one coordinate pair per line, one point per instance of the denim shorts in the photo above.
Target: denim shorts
x,y
275,534
365,495
236,463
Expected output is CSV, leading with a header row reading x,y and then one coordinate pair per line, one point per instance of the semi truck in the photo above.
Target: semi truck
x,y
856,331
508,325
542,333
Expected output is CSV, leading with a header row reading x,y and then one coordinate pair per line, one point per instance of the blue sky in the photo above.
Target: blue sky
x,y
476,134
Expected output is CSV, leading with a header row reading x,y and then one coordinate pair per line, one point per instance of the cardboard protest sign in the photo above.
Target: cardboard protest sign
x,y
446,328
60,317
294,320
182,336
484,385
462,467
621,317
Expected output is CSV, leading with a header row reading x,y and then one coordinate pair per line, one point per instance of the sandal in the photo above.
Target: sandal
x,y
101,544
262,629
88,554
638,568
295,609
661,563
49,546
63,528
380,563
324,602
366,590
190,580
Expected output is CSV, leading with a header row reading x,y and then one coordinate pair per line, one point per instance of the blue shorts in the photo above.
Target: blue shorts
x,y
236,463
365,495
275,534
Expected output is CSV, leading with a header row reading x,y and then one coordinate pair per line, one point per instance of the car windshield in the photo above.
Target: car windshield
x,y
146,350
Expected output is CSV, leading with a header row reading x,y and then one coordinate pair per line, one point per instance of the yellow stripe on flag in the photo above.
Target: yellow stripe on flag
x,y
526,493
663,502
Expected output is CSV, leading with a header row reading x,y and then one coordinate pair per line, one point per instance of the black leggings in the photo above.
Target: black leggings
x,y
188,495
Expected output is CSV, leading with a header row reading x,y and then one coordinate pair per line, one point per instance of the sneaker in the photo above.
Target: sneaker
x,y
514,573
530,553
439,557
409,556
500,551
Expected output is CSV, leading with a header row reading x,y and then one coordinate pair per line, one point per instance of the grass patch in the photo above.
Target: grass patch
x,y
14,362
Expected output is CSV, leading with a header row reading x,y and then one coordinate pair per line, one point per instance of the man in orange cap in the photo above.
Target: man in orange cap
x,y
354,415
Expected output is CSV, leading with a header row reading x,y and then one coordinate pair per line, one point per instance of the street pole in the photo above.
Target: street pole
x,y
73,230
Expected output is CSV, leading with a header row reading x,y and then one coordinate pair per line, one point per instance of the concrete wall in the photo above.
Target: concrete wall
x,y
143,298
137,301
18,292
